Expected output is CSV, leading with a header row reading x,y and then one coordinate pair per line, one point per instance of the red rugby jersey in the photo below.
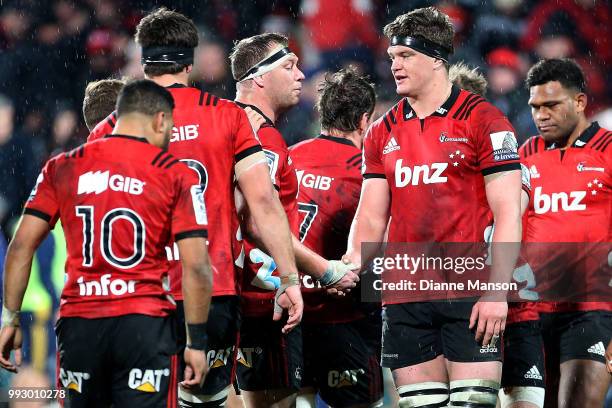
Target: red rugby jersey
x,y
259,276
570,202
328,170
435,169
211,135
121,201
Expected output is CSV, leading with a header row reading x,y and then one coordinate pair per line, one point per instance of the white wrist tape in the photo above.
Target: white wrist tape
x,y
9,318
334,272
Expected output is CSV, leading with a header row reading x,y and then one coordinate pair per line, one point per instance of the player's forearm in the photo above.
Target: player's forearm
x,y
308,261
365,229
273,230
505,247
197,290
17,267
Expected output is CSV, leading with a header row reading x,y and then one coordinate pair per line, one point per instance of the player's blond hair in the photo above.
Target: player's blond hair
x,y
468,78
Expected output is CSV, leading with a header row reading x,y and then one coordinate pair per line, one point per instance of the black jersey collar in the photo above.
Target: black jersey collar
x,y
584,138
587,135
337,140
177,85
136,138
256,109
409,113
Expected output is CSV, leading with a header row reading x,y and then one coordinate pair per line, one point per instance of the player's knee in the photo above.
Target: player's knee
x,y
515,397
482,393
193,400
433,394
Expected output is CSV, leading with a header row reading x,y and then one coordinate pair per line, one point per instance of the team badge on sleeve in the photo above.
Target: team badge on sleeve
x,y
505,146
525,176
272,160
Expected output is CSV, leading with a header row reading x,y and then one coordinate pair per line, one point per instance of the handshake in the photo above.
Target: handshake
x,y
340,277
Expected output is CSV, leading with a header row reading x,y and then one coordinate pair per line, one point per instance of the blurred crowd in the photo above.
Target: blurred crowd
x,y
49,50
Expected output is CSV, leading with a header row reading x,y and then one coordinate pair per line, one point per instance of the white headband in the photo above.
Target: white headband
x,y
273,60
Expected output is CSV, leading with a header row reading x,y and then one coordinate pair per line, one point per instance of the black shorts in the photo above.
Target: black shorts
x,y
576,335
417,332
222,329
523,355
126,361
267,359
341,361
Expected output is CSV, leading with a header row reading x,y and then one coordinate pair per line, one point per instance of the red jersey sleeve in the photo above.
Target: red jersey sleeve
x,y
43,202
372,153
245,140
103,128
496,145
189,217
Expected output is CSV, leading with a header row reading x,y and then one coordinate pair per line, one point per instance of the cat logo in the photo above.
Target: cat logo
x,y
244,355
218,358
147,380
72,380
344,378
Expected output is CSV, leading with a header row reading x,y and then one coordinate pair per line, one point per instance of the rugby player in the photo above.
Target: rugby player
x,y
571,158
439,352
214,138
119,207
269,82
341,338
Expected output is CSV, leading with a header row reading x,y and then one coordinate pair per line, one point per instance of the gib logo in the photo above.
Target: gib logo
x,y
106,286
416,175
312,181
98,182
187,132
555,202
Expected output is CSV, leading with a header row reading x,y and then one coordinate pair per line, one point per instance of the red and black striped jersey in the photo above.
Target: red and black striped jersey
x,y
571,202
121,200
435,167
210,135
329,173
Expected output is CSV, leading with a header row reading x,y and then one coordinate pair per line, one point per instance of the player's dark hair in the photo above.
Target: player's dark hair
x,y
144,96
250,51
564,70
100,100
467,78
426,23
166,28
344,97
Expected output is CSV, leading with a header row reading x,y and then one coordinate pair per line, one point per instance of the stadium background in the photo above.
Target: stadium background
x,y
49,50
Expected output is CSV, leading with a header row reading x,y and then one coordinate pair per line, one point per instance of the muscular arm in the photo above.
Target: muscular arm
x,y
506,200
307,261
30,233
197,279
371,219
268,216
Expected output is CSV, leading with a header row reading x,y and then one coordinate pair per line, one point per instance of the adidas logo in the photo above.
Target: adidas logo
x,y
391,146
488,349
597,349
579,143
533,374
